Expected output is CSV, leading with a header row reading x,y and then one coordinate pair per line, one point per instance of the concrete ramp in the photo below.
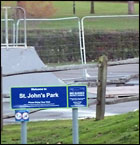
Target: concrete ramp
x,y
22,59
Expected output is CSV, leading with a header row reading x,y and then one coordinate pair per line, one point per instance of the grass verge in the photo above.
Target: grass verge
x,y
119,129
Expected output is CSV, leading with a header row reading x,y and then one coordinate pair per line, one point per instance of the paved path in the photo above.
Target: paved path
x,y
90,112
113,72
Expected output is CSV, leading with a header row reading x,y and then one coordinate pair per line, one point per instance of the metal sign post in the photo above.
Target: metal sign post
x,y
75,126
22,116
23,132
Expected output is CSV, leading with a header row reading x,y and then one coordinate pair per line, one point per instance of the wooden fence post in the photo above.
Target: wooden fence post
x,y
101,87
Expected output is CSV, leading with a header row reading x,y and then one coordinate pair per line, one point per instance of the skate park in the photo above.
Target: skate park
x,y
21,58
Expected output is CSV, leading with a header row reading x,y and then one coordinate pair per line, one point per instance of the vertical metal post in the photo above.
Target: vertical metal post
x,y
14,29
25,28
83,48
23,132
6,26
75,126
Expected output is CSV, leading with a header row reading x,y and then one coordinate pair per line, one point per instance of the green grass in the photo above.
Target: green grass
x,y
112,24
64,9
120,129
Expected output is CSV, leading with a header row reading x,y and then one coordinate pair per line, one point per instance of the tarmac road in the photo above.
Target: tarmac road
x,y
59,114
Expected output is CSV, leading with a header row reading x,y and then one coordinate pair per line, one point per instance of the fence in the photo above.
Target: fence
x,y
56,40
11,37
116,36
9,17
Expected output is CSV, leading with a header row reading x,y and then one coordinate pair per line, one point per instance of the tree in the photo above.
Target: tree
x,y
130,7
92,11
37,9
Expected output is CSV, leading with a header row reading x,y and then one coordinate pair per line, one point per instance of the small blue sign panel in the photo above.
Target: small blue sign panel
x,y
77,96
39,97
21,115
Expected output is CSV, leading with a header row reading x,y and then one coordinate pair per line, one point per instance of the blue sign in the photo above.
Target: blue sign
x,y
48,97
39,97
21,115
77,96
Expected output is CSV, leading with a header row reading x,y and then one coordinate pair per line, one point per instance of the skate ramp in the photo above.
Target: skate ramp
x,y
22,59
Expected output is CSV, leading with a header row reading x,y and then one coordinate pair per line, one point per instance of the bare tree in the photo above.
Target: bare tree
x,y
130,7
92,11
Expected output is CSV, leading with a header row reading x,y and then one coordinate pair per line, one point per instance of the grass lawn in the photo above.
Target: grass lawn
x,y
64,9
119,129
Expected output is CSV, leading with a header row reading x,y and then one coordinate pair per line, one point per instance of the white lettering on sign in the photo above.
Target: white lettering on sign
x,y
77,94
41,95
22,95
38,89
52,95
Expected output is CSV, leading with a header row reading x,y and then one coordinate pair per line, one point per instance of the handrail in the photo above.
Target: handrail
x,y
6,25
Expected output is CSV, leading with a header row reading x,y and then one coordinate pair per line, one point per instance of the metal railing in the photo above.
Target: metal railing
x,y
98,17
4,35
55,19
6,21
